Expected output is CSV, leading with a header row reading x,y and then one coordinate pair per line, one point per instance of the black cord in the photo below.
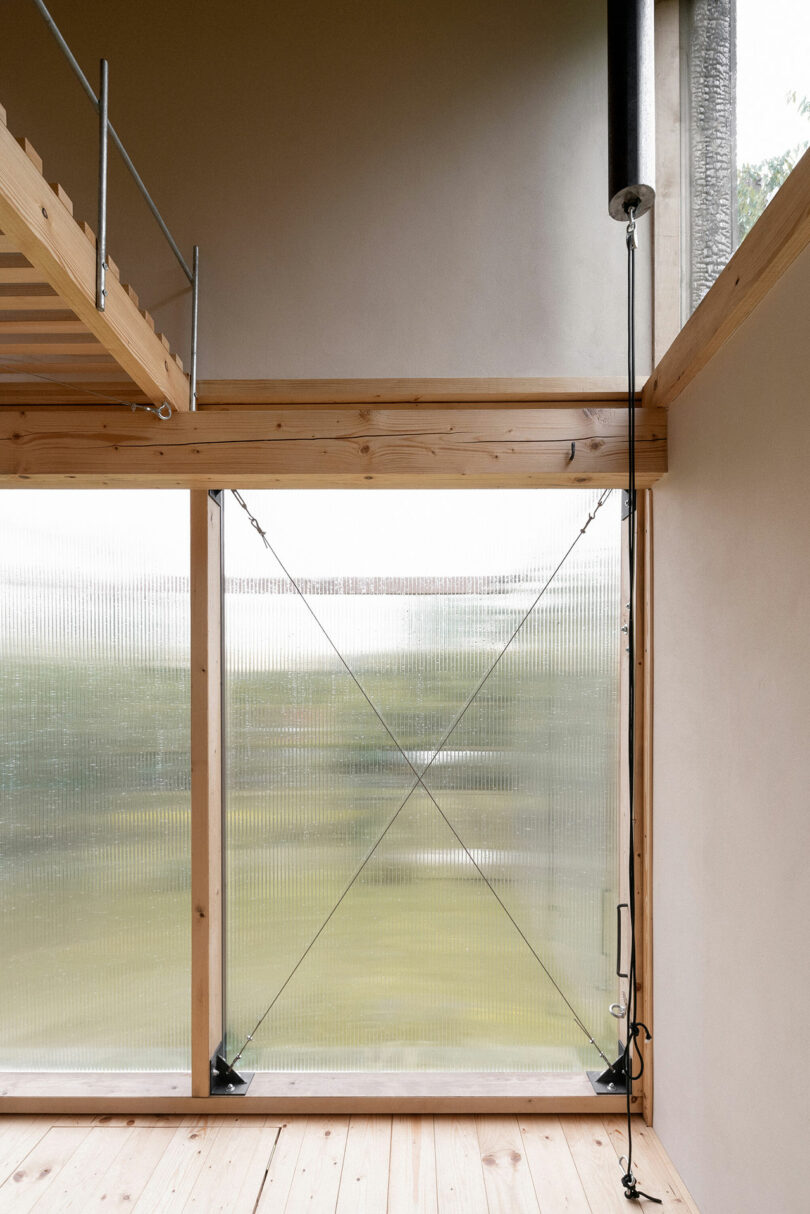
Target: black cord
x,y
633,1027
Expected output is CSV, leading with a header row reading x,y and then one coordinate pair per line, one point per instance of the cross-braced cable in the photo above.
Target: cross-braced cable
x,y
419,775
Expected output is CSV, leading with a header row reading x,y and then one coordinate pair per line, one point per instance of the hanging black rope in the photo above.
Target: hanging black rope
x,y
633,1027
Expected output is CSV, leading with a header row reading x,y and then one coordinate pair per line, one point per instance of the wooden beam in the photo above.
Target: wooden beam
x,y
777,238
206,787
47,235
299,447
308,1092
559,392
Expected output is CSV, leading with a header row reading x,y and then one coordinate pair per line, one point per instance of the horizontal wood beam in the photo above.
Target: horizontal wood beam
x,y
559,392
43,229
309,1092
299,447
777,238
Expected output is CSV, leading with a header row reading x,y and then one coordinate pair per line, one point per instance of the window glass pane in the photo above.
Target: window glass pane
x,y
773,99
746,120
94,774
420,966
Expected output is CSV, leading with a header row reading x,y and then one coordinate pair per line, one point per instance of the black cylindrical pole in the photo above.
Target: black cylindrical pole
x,y
631,107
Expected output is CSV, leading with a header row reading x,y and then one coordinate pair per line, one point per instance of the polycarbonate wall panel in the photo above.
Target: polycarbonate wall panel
x,y
94,773
419,966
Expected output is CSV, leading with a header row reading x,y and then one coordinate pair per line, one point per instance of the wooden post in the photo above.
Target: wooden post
x,y
206,786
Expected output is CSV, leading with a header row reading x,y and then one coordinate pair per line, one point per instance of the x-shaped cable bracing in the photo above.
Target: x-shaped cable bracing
x,y
419,776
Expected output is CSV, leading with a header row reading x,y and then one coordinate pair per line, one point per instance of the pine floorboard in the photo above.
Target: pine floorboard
x,y
329,1165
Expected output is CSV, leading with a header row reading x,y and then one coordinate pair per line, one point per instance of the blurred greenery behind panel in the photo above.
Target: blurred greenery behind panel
x,y
420,968
94,780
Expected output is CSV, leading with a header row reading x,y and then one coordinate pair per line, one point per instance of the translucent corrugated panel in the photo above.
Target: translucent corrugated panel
x,y
419,966
94,776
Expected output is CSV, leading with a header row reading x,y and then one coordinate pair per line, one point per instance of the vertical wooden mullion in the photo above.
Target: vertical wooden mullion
x,y
206,786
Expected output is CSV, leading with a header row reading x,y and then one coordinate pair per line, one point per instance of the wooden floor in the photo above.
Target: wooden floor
x,y
446,1165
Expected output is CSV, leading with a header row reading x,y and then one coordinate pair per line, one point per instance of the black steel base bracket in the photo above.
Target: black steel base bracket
x,y
225,1081
611,1082
627,509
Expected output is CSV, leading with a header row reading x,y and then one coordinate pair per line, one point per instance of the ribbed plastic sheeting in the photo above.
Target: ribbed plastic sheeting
x,y
94,774
420,968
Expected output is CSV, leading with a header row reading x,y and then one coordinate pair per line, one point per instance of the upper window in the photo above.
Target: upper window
x,y
746,120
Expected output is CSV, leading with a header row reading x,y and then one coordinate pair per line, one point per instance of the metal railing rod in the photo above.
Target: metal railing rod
x,y
101,242
71,58
192,371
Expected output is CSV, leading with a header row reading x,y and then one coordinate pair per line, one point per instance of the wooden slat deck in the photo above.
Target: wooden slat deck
x,y
55,346
387,1165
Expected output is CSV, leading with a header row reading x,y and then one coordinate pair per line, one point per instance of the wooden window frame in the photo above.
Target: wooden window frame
x,y
289,1093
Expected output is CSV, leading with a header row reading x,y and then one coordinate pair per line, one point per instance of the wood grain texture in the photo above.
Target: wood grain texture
x,y
596,1163
173,1179
780,234
304,1093
369,447
45,233
282,1167
412,1170
556,1180
36,1171
18,1136
248,1165
507,1177
316,1181
120,1185
460,1184
234,1170
206,786
78,1185
551,392
366,1161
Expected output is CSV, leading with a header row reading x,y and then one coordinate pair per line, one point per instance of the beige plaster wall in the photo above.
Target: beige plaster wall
x,y
378,187
732,768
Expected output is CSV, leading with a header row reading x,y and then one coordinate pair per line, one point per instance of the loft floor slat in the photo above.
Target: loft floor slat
x,y
39,326
19,276
49,347
12,300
